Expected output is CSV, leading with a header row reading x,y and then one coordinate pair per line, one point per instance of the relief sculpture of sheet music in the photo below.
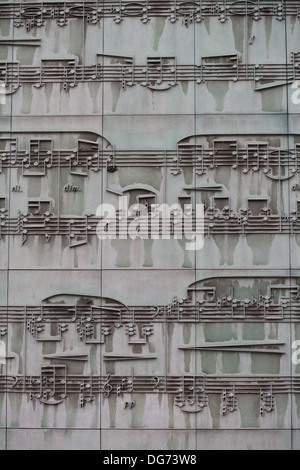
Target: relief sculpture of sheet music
x,y
150,225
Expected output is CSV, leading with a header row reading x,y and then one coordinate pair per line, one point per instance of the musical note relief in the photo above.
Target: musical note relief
x,y
81,230
191,394
267,401
158,74
35,15
192,397
276,300
204,153
229,401
52,385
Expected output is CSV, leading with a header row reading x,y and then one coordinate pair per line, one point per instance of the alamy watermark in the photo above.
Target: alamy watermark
x,y
157,221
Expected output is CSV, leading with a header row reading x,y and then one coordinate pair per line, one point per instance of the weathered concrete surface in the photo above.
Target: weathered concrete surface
x,y
248,282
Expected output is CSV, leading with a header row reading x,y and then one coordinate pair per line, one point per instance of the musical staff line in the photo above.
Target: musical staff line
x,y
34,14
158,74
254,154
111,314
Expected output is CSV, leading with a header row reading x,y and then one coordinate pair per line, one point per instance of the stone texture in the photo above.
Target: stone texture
x,y
149,346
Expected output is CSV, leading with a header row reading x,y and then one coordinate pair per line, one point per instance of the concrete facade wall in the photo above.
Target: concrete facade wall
x,y
142,344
